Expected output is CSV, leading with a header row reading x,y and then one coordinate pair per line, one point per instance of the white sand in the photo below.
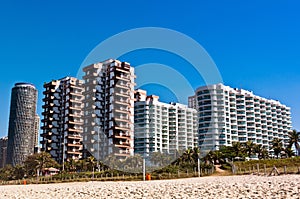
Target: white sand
x,y
206,187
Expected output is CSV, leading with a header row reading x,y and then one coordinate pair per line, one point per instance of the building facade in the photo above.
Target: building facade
x,y
21,134
3,151
228,115
62,123
36,131
162,127
108,109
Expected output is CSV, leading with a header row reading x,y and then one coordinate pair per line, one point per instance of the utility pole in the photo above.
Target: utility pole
x,y
199,171
98,150
144,167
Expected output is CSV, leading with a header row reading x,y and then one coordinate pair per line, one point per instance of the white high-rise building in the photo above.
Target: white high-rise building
x,y
108,109
162,127
229,115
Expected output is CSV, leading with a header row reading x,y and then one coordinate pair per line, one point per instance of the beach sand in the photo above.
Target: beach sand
x,y
249,186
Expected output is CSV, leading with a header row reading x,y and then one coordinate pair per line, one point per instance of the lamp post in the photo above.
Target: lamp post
x,y
144,166
199,171
98,146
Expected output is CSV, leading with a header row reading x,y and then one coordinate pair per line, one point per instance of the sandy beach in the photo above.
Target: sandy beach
x,y
287,186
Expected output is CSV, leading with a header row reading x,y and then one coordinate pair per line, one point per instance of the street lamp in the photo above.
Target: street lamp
x,y
199,171
98,150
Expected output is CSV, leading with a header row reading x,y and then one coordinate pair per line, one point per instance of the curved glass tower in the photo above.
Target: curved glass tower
x,y
21,130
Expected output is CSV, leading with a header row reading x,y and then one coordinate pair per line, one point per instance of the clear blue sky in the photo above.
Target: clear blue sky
x,y
255,44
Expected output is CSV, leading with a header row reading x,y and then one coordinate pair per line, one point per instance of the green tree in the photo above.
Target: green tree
x,y
91,162
188,156
18,172
249,148
70,165
38,162
6,173
217,157
289,152
134,163
228,152
196,153
277,146
294,139
238,149
264,154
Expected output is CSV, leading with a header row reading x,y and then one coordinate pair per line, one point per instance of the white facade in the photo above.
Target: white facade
x,y
229,115
162,127
108,109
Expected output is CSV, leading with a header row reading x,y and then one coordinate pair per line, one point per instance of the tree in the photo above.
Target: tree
x,y
217,157
70,165
249,148
289,152
294,139
134,163
277,146
196,153
264,153
18,172
91,162
237,149
228,152
36,163
258,149
6,173
209,157
188,156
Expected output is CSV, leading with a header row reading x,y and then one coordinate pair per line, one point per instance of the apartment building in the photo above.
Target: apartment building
x,y
3,151
162,127
228,115
62,123
21,134
108,109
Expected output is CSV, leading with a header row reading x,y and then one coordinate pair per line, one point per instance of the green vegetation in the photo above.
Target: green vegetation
x,y
287,165
163,167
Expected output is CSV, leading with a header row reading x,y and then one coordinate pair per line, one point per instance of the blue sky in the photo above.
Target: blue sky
x,y
255,44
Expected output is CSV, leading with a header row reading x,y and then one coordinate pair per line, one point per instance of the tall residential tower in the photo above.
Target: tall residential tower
x,y
3,151
62,119
162,127
229,115
21,133
108,109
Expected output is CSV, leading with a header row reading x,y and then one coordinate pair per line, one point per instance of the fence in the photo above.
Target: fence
x,y
74,177
262,169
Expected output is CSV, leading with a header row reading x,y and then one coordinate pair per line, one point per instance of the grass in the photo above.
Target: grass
x,y
288,165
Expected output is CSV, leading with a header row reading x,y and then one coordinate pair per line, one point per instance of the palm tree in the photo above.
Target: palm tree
x,y
209,157
277,146
289,152
264,153
217,157
188,156
196,153
71,165
38,162
295,139
91,163
258,149
249,148
237,149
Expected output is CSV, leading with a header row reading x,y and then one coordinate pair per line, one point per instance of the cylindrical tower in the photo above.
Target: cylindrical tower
x,y
21,130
